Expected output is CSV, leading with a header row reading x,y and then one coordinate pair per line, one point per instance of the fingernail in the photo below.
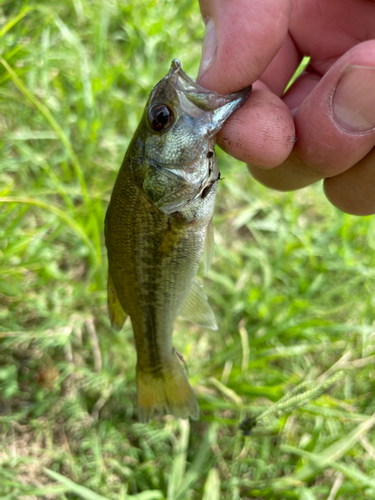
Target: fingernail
x,y
209,47
353,102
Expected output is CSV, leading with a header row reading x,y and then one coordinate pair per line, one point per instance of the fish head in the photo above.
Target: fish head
x,y
175,141
183,119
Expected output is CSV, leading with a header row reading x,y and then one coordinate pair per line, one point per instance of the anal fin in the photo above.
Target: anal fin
x,y
197,309
117,315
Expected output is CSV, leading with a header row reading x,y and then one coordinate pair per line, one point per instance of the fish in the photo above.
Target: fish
x,y
157,226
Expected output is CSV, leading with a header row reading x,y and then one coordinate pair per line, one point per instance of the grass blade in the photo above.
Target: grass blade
x,y
179,462
212,486
15,20
353,474
45,112
61,214
82,491
329,455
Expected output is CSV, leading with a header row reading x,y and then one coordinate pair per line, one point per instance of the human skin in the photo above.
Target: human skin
x,y
324,126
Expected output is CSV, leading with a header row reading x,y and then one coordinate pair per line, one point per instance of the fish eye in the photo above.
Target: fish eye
x,y
161,117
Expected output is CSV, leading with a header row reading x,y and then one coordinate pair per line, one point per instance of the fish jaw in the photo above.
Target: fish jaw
x,y
218,107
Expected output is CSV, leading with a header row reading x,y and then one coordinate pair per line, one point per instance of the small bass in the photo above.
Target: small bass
x,y
158,223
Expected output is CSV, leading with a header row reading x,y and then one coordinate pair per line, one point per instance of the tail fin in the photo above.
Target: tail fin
x,y
165,391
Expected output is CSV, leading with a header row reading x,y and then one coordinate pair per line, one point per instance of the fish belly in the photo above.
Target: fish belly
x,y
153,259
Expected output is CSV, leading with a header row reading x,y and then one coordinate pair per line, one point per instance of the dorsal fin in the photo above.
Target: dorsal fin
x,y
197,309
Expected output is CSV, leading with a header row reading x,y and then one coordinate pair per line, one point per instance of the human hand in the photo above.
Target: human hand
x,y
330,108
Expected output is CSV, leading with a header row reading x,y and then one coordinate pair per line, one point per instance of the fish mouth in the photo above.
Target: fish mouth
x,y
220,106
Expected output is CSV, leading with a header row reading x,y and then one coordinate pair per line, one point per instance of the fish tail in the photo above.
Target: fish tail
x,y
165,391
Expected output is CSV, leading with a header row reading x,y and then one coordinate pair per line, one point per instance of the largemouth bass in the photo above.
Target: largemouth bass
x,y
157,224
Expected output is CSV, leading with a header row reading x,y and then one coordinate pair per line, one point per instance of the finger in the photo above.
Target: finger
x,y
282,67
293,173
242,37
261,131
326,30
353,191
289,176
300,89
334,124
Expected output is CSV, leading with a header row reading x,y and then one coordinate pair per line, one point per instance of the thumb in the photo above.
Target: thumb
x,y
241,39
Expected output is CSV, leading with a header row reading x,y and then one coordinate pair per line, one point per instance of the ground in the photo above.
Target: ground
x,y
285,386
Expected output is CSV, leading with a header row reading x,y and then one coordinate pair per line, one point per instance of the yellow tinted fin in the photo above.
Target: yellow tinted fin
x,y
197,309
165,391
209,247
117,315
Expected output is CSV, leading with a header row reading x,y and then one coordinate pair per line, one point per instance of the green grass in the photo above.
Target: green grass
x,y
291,284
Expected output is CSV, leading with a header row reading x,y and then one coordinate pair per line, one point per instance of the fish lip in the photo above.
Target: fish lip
x,y
177,71
208,100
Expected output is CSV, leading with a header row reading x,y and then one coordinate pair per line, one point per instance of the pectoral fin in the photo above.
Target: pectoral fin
x,y
209,247
197,309
166,189
117,314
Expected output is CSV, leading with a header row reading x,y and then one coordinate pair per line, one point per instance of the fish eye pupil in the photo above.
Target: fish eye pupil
x,y
160,117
